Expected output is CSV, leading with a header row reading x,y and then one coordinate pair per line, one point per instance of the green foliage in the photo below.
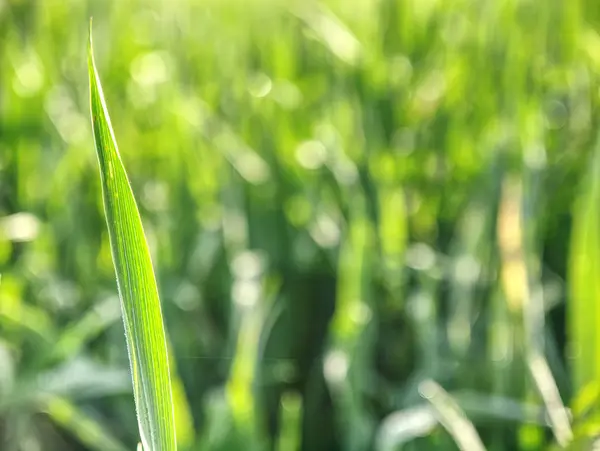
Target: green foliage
x,y
584,315
373,223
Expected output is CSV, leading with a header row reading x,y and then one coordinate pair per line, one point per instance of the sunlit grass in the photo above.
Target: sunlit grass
x,y
140,304
343,205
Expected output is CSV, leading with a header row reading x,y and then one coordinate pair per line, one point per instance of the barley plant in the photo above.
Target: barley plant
x,y
328,225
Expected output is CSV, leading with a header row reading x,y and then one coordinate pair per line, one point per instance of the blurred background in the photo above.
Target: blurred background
x,y
375,223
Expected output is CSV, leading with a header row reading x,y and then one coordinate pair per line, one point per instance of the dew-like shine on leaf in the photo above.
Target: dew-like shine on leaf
x,y
142,316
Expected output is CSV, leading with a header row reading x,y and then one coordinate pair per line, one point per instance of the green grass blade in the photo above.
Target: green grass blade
x,y
584,284
83,426
142,316
452,417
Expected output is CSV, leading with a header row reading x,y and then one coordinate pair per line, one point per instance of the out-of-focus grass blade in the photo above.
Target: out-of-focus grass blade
x,y
452,417
94,322
76,380
291,416
350,333
89,432
584,286
31,319
142,316
516,285
184,422
405,425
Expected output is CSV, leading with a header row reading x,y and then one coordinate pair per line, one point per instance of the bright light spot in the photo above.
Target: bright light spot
x,y
466,270
247,265
311,154
420,306
187,297
150,69
420,257
252,167
29,76
246,293
20,227
334,34
335,367
535,156
360,313
259,85
325,231
432,88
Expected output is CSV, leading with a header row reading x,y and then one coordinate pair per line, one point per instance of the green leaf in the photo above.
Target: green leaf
x,y
140,304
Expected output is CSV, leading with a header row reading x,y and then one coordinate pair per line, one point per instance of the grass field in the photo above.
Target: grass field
x,y
375,224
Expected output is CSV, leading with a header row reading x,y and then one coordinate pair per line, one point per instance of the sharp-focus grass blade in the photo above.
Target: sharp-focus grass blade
x,y
140,303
